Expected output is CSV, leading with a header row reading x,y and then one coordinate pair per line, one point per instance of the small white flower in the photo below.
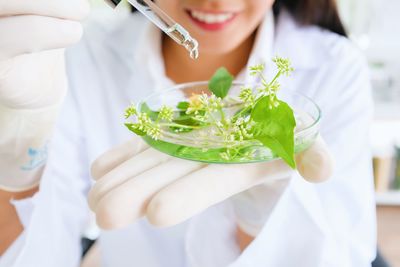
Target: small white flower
x,y
196,104
130,111
154,132
247,96
166,113
283,65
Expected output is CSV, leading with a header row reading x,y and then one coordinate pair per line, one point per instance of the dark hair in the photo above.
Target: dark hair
x,y
323,13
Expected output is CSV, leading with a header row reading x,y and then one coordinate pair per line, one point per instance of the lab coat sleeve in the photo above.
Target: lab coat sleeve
x,y
348,198
316,225
60,213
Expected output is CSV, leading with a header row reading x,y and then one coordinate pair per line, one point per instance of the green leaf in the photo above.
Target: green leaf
x,y
278,146
153,115
275,127
258,114
186,120
132,128
221,82
183,105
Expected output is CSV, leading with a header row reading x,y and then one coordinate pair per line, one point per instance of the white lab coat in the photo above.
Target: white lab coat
x,y
330,224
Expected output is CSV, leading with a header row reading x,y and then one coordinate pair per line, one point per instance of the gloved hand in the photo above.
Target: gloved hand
x,y
133,181
32,81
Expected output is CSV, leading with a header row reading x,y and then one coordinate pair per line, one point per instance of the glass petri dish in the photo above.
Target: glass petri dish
x,y
200,145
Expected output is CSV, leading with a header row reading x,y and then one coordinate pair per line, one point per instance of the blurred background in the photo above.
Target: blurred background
x,y
374,26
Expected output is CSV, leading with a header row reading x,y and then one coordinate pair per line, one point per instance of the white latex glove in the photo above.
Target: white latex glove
x,y
32,81
133,181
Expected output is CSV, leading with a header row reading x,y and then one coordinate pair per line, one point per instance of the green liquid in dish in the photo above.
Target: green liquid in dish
x,y
247,152
213,155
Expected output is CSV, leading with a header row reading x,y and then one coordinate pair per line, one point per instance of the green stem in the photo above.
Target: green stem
x,y
237,115
199,120
222,113
179,125
221,131
275,78
257,97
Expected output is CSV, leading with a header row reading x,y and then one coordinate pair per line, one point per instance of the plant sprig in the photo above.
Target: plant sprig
x,y
263,116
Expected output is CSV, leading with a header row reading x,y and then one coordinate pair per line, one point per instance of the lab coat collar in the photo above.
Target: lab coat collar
x,y
262,51
298,43
284,37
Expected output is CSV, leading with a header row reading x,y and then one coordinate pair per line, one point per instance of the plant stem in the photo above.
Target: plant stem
x,y
275,78
237,115
221,131
179,125
222,113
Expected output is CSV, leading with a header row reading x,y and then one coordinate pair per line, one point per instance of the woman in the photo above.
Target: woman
x,y
297,224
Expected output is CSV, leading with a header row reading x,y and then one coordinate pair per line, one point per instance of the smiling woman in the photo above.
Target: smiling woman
x,y
307,12
212,23
297,223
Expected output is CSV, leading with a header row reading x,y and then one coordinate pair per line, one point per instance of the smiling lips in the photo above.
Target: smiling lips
x,y
211,21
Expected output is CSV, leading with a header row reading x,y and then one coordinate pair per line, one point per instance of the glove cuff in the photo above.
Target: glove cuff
x,y
23,145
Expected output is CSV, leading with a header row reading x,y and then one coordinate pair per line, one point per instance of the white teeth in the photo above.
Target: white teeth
x,y
211,18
